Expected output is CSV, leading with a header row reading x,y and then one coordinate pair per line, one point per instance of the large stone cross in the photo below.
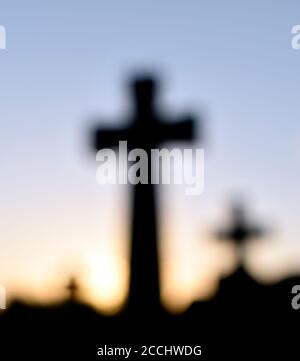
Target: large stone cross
x,y
146,130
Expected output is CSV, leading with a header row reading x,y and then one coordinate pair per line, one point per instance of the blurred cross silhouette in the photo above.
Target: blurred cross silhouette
x,y
241,231
146,130
72,288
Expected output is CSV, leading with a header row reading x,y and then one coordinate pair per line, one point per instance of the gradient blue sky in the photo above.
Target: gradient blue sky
x,y
67,62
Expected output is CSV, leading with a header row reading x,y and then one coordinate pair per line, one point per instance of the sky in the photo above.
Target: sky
x,y
66,68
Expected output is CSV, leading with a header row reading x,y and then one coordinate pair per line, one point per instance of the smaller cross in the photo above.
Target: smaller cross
x,y
72,288
241,231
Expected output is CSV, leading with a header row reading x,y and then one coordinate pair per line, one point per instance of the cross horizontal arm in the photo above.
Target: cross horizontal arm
x,y
148,136
108,138
179,131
